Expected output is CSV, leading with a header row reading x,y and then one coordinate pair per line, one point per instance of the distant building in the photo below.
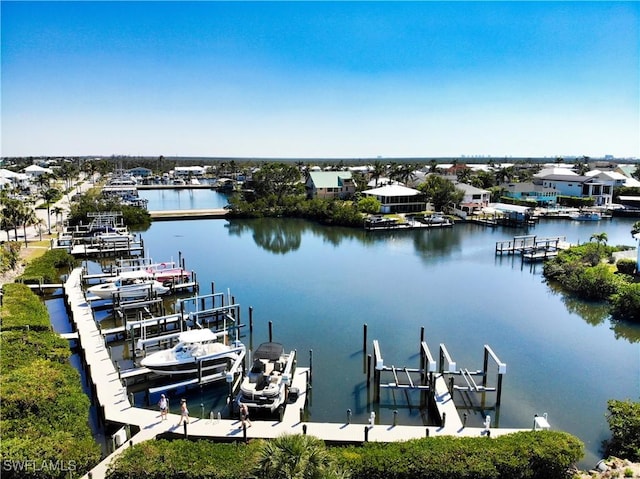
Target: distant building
x,y
140,172
34,171
330,184
189,171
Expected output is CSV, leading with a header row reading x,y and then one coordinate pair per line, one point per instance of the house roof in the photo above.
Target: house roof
x,y
606,175
36,168
564,177
508,207
555,171
329,179
528,186
632,183
470,189
4,173
393,190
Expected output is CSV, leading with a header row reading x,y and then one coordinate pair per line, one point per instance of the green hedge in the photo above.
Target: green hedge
x,y
185,459
525,455
45,269
539,454
626,266
22,309
43,410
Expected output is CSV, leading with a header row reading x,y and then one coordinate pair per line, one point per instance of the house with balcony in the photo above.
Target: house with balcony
x,y
474,199
595,184
398,199
330,184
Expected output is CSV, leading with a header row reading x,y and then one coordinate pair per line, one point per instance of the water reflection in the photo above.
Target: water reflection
x,y
596,313
625,330
281,236
277,237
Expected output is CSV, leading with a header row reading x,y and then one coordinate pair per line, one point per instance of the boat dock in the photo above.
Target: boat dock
x,y
170,215
109,393
532,248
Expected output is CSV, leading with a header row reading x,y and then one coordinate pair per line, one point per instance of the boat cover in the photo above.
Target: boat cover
x,y
269,351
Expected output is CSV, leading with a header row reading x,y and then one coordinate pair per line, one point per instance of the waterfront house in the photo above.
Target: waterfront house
x,y
569,183
140,172
189,171
474,198
542,195
330,184
398,199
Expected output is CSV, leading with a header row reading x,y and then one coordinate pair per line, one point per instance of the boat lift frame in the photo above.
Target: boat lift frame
x,y
446,367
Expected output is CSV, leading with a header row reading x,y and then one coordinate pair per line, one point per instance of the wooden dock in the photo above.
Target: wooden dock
x,y
170,215
531,247
114,404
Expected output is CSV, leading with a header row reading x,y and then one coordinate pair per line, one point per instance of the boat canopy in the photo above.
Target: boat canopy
x,y
197,336
269,351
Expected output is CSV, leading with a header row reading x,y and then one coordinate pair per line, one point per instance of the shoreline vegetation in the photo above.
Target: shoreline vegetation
x,y
44,410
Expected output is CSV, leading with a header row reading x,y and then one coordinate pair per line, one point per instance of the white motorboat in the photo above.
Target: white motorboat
x,y
197,349
586,216
129,285
265,386
168,272
114,237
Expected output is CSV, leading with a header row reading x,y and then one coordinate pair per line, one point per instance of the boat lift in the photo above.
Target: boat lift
x,y
428,370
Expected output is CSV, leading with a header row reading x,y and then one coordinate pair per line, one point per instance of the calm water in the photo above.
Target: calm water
x,y
183,199
320,285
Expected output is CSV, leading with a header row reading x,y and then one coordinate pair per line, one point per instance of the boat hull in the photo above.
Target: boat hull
x,y
217,365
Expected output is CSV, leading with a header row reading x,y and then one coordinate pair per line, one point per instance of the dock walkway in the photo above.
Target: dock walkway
x,y
158,215
115,406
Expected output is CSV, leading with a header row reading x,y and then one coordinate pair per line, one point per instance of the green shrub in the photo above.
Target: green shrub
x,y
186,459
45,269
626,266
521,455
22,309
624,423
43,408
525,455
625,304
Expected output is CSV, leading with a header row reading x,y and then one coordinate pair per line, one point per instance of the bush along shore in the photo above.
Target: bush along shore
x,y
539,454
43,409
587,271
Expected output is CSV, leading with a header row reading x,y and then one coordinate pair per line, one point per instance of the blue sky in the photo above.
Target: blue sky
x,y
321,79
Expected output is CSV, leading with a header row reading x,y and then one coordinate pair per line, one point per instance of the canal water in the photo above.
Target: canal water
x,y
183,199
319,285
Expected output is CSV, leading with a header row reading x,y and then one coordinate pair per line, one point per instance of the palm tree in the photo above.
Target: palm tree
x,y
295,456
600,238
48,195
58,212
26,216
11,216
378,170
